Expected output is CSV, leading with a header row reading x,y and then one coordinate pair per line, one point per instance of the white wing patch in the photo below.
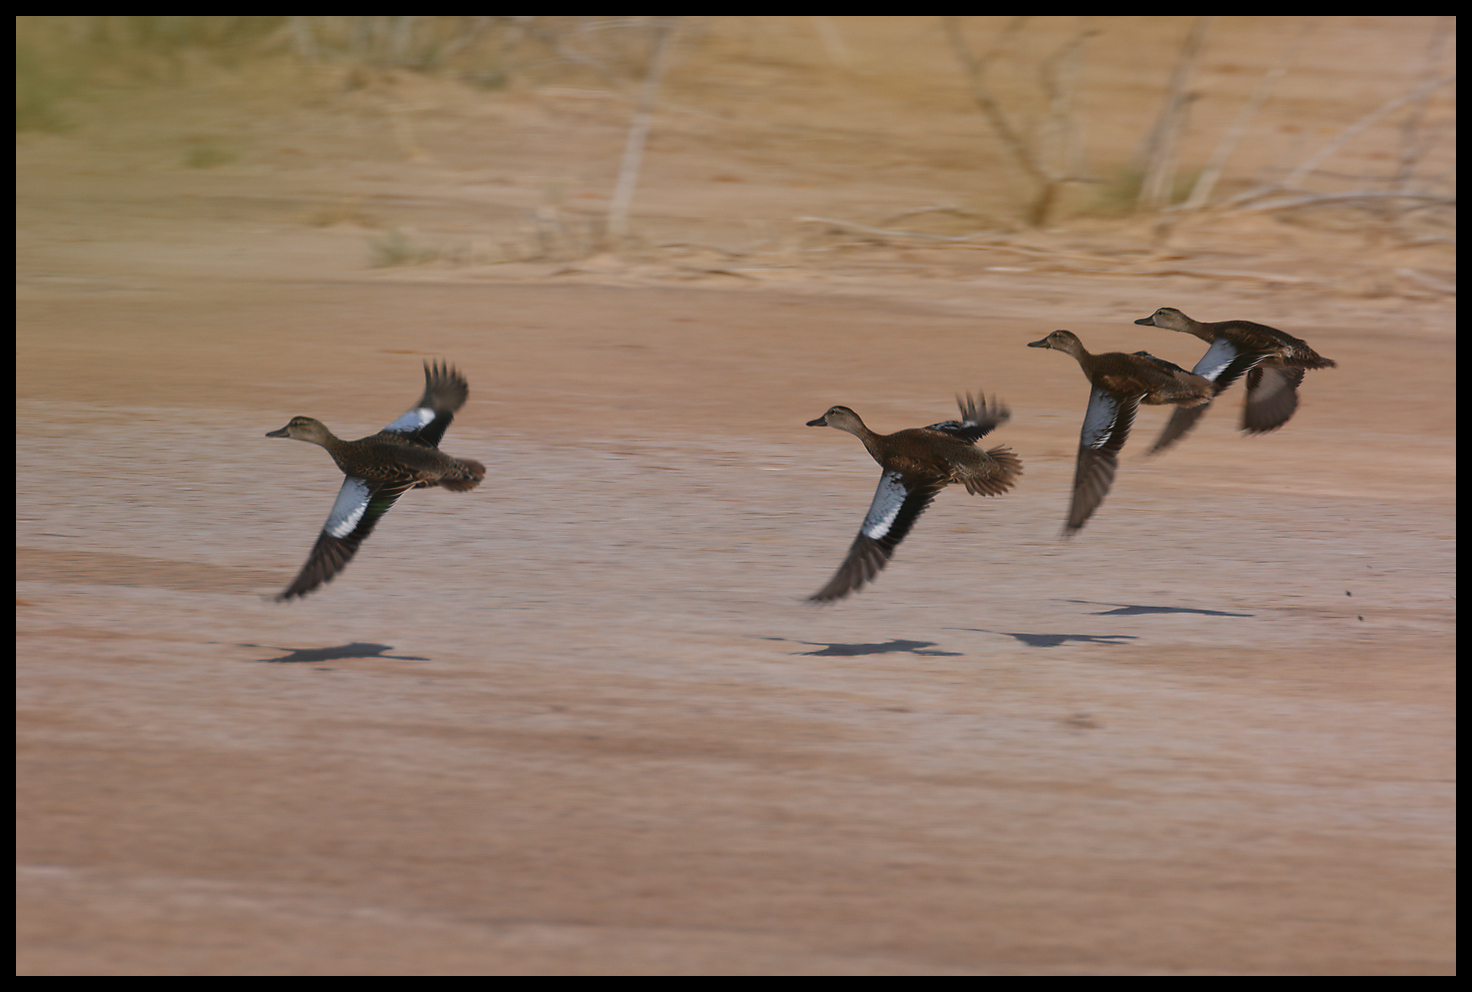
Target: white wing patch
x,y
352,502
411,421
888,499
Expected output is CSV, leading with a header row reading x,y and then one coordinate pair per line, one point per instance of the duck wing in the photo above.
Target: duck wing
x,y
977,418
1107,423
1182,419
359,504
896,506
1222,365
1272,396
445,391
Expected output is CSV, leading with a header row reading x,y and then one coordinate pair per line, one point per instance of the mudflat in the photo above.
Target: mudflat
x,y
581,720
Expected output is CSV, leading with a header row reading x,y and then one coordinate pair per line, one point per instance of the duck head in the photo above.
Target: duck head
x,y
1168,317
302,429
1060,341
840,417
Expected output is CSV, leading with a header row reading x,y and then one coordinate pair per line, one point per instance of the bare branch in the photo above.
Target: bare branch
x,y
1212,173
1059,76
628,173
1414,141
976,69
1389,107
1422,200
1159,157
1049,180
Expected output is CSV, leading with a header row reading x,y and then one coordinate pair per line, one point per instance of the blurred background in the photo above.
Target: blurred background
x,y
746,142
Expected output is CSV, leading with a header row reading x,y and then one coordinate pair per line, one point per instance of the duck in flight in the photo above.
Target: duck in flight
x,y
1274,363
1120,384
917,464
382,467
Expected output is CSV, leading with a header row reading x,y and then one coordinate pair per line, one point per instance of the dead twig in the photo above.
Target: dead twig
x,y
1048,180
1212,173
1058,75
1158,158
697,246
1414,139
884,234
628,173
1423,200
1296,178
1441,286
968,241
954,211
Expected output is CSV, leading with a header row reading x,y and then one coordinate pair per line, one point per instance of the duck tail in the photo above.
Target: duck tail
x,y
464,476
1000,474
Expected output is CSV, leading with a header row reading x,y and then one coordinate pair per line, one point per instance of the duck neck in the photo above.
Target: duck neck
x,y
335,445
1203,331
871,440
1084,359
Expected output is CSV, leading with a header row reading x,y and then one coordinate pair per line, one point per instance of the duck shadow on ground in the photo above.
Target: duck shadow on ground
x,y
1119,610
1055,640
894,646
357,649
1131,610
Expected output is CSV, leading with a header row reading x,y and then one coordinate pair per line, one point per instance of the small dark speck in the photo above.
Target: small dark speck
x,y
1348,593
1360,619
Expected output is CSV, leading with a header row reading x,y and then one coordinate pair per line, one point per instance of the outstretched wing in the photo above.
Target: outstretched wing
x,y
1223,364
1106,427
445,391
894,510
359,504
977,418
1272,396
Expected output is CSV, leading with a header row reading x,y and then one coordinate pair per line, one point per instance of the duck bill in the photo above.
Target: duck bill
x,y
1039,344
820,422
280,433
1147,321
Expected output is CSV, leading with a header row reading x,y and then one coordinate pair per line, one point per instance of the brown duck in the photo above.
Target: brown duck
x,y
1120,383
1273,361
917,464
382,467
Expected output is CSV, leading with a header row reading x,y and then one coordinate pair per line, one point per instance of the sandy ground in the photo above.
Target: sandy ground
x,y
581,720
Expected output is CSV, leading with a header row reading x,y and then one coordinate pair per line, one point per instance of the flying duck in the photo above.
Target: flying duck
x,y
1120,384
917,464
382,467
1273,361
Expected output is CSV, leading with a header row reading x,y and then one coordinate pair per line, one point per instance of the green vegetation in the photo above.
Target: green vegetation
x,y
39,90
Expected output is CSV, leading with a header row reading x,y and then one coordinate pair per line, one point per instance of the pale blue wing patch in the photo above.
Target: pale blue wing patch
x,y
352,503
1221,354
1099,419
411,421
889,498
